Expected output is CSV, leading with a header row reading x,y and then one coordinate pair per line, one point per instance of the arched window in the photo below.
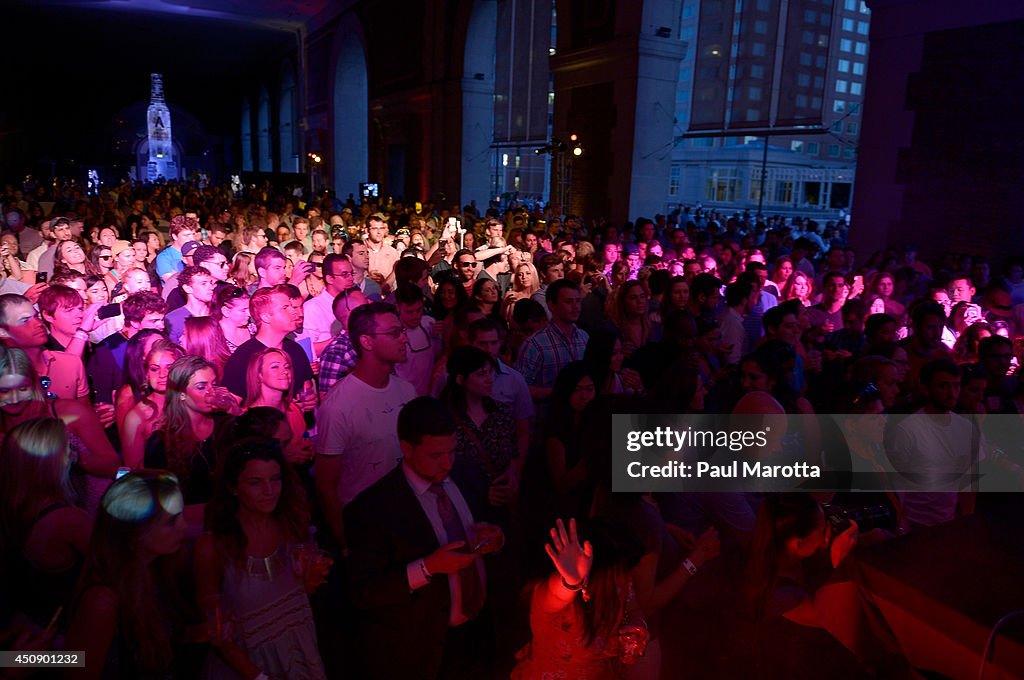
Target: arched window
x,y
286,124
265,162
246,137
351,118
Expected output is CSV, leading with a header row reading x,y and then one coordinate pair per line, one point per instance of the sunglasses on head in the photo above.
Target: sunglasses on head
x,y
868,393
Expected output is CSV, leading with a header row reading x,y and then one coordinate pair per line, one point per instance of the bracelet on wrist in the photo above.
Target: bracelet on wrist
x,y
575,588
690,566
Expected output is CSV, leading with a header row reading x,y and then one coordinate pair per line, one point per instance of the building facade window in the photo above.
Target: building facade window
x,y
673,181
838,106
833,150
845,45
723,185
796,145
841,86
861,48
858,68
812,148
843,65
784,192
856,88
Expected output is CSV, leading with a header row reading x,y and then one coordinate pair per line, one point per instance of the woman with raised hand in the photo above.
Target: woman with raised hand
x,y
583,617
525,282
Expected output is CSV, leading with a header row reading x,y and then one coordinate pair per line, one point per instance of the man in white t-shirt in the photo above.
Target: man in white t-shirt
x,y
933,451
357,442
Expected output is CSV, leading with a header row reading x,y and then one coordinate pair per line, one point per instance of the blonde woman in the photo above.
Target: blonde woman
x,y
268,382
525,282
43,533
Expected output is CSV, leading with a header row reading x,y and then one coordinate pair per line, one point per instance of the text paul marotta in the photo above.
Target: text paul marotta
x,y
731,470
735,441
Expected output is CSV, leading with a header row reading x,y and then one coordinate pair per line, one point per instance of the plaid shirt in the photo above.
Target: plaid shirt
x,y
337,359
547,351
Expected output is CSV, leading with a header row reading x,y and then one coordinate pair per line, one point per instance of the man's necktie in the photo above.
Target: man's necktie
x,y
469,578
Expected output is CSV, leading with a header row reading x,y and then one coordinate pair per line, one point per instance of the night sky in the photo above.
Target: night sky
x,y
70,67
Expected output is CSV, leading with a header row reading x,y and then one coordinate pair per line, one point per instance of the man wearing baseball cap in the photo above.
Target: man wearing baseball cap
x,y
171,282
124,259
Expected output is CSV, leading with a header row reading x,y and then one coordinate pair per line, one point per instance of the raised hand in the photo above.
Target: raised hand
x,y
572,560
707,548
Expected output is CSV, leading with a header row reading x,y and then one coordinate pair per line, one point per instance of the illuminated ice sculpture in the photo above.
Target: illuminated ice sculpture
x,y
158,122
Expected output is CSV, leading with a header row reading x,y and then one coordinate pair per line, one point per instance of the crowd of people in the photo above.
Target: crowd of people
x,y
274,436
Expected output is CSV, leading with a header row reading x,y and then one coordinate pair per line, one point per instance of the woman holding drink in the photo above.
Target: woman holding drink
x,y
254,569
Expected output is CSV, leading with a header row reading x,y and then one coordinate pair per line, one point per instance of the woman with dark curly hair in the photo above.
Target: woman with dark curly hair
x,y
254,569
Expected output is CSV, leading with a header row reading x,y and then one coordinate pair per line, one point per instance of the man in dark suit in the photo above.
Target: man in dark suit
x,y
413,559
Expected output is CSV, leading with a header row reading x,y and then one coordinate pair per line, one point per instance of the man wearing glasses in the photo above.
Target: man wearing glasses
x,y
358,442
466,269
320,324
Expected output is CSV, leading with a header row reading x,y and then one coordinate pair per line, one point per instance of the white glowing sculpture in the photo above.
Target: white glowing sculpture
x,y
158,121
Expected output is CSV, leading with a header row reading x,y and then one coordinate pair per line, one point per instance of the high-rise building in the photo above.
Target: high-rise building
x,y
806,173
161,162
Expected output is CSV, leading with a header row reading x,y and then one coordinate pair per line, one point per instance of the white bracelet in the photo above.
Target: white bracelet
x,y
82,335
690,566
